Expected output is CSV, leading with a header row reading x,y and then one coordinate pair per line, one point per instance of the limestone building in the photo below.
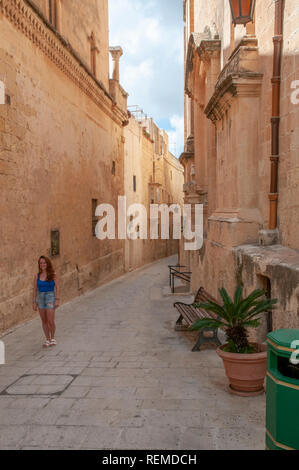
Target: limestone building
x,y
152,176
241,150
61,148
64,151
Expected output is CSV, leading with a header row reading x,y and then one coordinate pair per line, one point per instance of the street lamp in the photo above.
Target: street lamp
x,y
242,11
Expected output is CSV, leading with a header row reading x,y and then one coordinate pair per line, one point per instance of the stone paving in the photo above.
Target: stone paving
x,y
121,378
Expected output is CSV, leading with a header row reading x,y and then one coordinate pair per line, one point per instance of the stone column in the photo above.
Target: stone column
x,y
116,53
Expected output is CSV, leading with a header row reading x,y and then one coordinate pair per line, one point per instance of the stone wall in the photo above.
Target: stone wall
x,y
76,21
288,209
60,132
228,81
276,269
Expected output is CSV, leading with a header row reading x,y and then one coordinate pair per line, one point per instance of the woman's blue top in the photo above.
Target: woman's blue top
x,y
45,286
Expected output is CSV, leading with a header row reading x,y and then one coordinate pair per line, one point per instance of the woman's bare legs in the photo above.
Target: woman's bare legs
x,y
51,323
44,318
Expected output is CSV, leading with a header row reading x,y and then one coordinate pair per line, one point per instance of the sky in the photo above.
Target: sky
x,y
151,34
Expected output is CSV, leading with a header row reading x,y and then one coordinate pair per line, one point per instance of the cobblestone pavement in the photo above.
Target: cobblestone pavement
x,y
121,378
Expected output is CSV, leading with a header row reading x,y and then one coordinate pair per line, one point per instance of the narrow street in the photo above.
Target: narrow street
x,y
121,378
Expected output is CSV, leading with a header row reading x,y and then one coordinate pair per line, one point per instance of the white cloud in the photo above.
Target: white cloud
x,y
176,134
153,30
131,26
134,74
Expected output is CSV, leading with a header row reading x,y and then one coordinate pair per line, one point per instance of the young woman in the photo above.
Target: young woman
x,y
45,299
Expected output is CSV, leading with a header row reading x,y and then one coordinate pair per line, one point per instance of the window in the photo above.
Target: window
x,y
55,243
113,171
53,13
134,184
94,219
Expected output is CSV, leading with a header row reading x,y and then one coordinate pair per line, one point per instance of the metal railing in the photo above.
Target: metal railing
x,y
175,272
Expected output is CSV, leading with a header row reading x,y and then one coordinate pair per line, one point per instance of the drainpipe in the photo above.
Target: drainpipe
x,y
275,121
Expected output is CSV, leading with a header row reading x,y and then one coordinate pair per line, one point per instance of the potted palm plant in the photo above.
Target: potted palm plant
x,y
245,363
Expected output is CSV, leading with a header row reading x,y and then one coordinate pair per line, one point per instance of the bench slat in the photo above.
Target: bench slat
x,y
190,314
203,297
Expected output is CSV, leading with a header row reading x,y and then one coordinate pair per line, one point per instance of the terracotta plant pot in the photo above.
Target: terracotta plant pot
x,y
246,372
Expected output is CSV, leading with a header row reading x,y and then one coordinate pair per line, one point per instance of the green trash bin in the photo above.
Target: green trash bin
x,y
282,391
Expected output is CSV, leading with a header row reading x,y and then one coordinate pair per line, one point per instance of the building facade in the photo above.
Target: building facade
x,y
241,148
152,176
65,150
61,148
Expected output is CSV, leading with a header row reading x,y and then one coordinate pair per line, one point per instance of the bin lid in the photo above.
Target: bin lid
x,y
284,338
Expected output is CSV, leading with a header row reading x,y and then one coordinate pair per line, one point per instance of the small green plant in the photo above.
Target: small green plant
x,y
235,317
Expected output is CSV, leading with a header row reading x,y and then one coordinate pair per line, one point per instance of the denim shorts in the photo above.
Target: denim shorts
x,y
46,300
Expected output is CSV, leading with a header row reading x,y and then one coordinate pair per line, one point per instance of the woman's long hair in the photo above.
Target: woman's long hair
x,y
50,269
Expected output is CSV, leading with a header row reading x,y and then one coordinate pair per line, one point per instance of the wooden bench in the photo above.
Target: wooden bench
x,y
176,271
189,314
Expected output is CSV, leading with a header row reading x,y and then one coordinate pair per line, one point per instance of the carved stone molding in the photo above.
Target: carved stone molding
x,y
185,157
189,188
28,19
204,49
240,76
189,145
235,85
207,48
238,61
194,42
192,189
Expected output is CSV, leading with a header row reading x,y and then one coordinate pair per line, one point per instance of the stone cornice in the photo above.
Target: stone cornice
x,y
194,42
240,76
28,19
202,46
185,157
207,48
237,62
189,188
242,84
123,92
